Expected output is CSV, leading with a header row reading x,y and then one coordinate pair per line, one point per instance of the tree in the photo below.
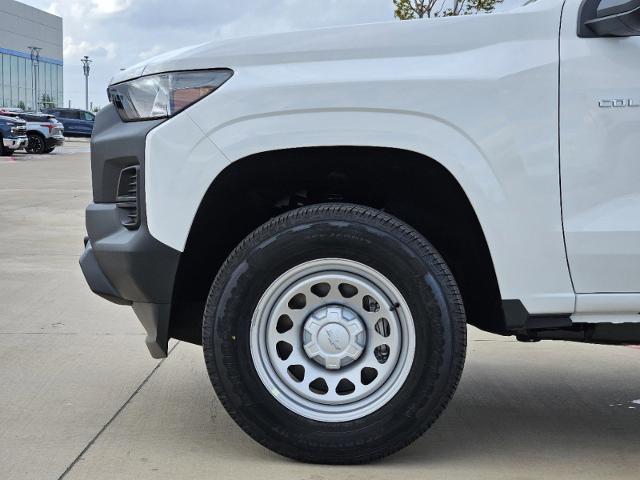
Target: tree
x,y
46,100
410,9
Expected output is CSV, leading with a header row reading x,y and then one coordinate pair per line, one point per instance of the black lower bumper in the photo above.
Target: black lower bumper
x,y
131,267
52,142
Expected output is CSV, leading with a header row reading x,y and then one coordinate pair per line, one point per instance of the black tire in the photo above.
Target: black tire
x,y
4,152
49,150
36,144
367,236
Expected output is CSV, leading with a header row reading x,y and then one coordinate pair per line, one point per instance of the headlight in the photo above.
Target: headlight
x,y
165,94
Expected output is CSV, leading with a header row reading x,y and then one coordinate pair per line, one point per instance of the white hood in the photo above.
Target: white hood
x,y
336,43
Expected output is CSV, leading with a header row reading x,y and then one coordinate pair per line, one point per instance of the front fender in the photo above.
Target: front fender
x,y
519,213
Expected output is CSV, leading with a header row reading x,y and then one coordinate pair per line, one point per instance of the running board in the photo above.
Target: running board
x,y
533,328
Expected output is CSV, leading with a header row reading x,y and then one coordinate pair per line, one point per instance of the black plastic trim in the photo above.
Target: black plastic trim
x,y
131,267
533,328
518,319
596,333
155,320
126,265
54,142
619,20
588,10
139,267
115,145
98,282
128,196
615,7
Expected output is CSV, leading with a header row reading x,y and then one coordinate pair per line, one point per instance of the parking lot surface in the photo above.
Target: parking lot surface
x,y
81,398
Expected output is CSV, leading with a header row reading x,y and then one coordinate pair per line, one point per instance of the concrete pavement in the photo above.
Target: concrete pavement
x,y
81,398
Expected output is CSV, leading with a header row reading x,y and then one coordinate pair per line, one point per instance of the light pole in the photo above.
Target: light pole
x,y
35,70
86,66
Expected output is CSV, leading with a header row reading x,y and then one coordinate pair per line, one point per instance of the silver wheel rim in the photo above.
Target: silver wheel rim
x,y
332,340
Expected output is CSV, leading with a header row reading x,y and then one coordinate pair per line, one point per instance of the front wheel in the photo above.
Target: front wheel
x,y
4,152
334,334
36,144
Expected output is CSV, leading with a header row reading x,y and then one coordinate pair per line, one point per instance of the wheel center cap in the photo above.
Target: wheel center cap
x,y
334,336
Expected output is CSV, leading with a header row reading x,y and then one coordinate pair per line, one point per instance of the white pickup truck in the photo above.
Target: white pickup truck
x,y
326,211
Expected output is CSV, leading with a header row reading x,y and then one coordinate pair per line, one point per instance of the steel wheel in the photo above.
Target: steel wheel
x,y
333,340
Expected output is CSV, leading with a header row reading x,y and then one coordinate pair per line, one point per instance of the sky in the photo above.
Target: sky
x,y
121,33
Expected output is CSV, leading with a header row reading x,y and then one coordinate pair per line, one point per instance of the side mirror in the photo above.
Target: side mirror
x,y
609,18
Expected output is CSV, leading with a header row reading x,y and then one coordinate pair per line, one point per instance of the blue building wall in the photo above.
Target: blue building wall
x,y
23,83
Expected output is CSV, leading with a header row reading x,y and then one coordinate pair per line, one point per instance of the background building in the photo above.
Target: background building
x,y
23,81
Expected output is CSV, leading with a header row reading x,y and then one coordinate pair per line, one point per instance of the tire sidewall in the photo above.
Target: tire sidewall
x,y
4,152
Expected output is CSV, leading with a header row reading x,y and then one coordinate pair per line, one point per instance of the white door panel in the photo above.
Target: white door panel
x,y
600,157
607,308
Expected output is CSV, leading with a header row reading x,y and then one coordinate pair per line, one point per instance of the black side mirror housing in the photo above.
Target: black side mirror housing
x,y
609,18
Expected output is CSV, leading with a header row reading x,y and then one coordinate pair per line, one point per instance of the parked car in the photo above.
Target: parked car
x,y
77,123
326,211
44,132
13,134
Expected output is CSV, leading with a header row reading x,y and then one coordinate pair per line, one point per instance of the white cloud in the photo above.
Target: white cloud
x,y
110,6
74,49
82,8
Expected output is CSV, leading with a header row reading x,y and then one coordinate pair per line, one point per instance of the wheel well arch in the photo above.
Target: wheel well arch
x,y
35,132
415,188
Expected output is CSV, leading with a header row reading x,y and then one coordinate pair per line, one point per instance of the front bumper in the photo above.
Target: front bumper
x,y
56,141
15,143
126,266
130,267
